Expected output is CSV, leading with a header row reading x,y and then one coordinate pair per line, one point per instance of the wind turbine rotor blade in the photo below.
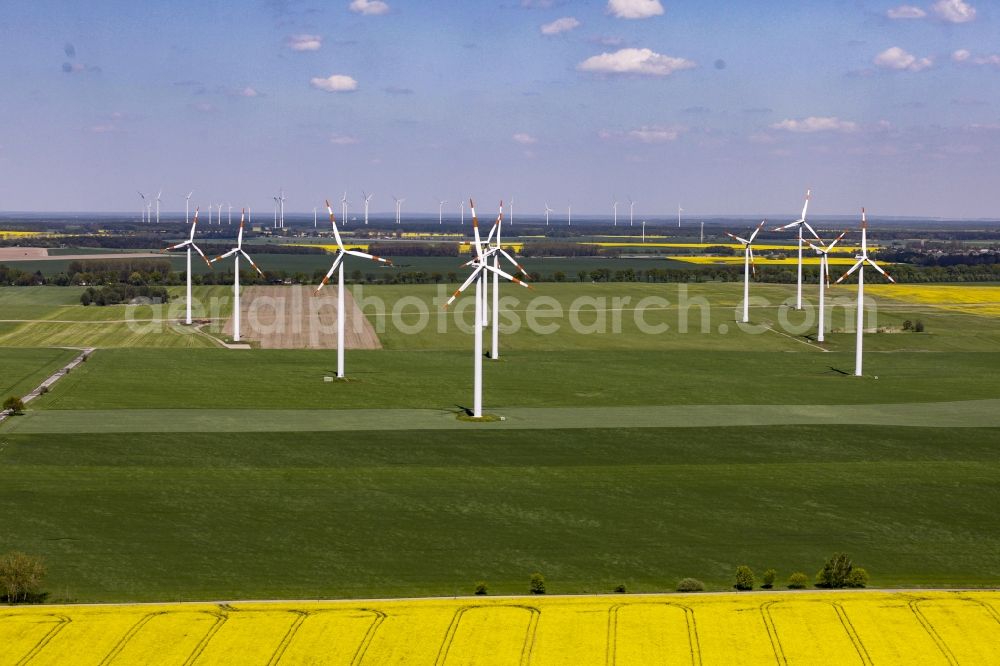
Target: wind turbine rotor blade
x,y
850,270
226,255
326,278
753,266
475,231
811,230
365,255
198,250
469,280
179,245
737,238
835,241
826,265
805,205
880,270
255,267
757,230
788,226
333,223
507,276
239,237
512,260
819,248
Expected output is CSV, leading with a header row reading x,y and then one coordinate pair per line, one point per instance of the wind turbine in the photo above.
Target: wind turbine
x,y
235,253
747,266
220,214
614,207
494,250
142,210
399,205
799,223
569,215
281,202
510,205
158,195
368,198
275,212
229,218
824,276
441,204
481,267
187,204
461,208
189,243
863,259
343,208
314,217
631,210
547,211
338,263
679,211
149,211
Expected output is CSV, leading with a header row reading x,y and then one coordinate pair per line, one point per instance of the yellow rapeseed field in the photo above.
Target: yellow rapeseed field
x,y
857,627
332,247
972,298
760,261
13,235
465,248
759,247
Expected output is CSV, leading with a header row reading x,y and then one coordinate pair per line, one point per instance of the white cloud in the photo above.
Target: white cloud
x,y
246,92
988,60
344,140
906,12
564,24
654,134
369,7
524,139
816,124
954,11
635,61
305,42
334,83
961,55
635,9
897,58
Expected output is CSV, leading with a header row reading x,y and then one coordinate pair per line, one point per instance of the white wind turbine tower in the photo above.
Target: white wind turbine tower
x,y
189,244
569,215
510,205
209,212
229,218
547,211
142,210
480,267
461,209
281,203
824,277
235,253
314,217
343,208
187,205
368,198
799,224
149,211
399,205
338,265
631,210
275,212
863,259
158,195
747,266
441,204
614,207
220,213
679,211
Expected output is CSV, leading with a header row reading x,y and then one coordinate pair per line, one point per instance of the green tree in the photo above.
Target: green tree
x,y
767,580
836,573
744,578
798,581
481,589
14,405
537,583
20,576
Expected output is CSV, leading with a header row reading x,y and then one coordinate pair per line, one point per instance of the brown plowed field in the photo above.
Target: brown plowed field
x,y
292,318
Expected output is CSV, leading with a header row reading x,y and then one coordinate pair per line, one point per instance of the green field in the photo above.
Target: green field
x,y
158,473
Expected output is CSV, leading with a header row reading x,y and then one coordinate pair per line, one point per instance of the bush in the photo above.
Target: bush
x,y
767,580
14,405
857,578
836,573
907,325
537,583
620,588
744,578
20,577
481,590
918,327
798,581
690,585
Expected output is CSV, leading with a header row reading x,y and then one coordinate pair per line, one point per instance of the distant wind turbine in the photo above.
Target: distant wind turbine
x,y
142,211
314,217
614,207
799,224
235,253
747,266
229,215
343,208
281,202
187,203
189,243
863,259
399,206
631,210
158,195
547,211
824,277
679,209
275,212
569,215
510,205
368,198
441,204
461,208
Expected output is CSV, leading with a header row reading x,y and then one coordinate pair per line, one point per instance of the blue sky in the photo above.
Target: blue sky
x,y
723,107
